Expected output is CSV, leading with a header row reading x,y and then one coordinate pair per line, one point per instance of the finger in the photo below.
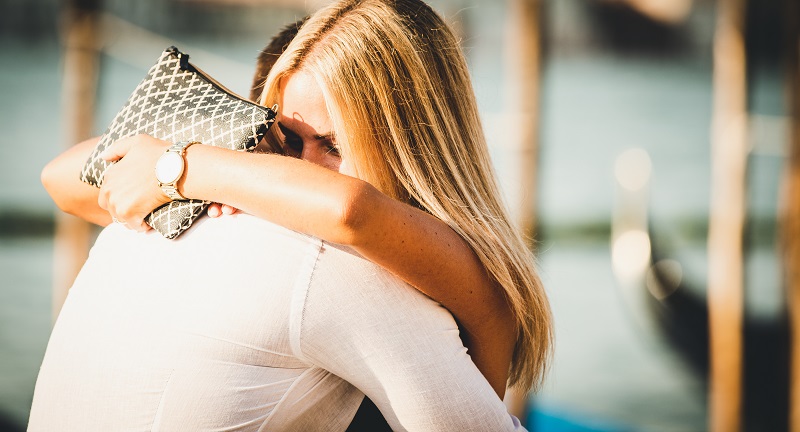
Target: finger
x,y
131,225
228,210
112,211
131,220
102,200
142,227
214,210
117,150
116,220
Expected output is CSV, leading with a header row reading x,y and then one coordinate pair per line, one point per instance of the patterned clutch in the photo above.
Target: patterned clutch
x,y
177,102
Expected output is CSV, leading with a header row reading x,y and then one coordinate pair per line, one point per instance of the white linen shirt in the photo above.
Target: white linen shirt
x,y
243,325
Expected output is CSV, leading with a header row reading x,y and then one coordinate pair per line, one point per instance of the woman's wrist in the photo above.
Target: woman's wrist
x,y
194,170
171,168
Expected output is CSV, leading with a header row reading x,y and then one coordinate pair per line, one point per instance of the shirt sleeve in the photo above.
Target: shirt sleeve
x,y
396,345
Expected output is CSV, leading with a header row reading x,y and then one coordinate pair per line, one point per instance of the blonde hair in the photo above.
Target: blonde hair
x,y
404,113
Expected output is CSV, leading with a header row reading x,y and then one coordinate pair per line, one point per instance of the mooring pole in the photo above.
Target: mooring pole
x,y
726,219
523,65
790,218
80,38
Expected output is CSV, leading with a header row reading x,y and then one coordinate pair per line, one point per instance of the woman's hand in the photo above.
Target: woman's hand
x,y
217,210
130,191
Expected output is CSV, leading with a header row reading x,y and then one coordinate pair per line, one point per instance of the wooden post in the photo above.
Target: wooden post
x,y
790,223
523,62
80,39
727,215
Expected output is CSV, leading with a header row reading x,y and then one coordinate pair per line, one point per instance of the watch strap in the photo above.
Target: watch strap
x,y
172,192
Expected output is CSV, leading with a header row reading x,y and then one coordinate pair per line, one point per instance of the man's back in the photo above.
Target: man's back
x,y
238,325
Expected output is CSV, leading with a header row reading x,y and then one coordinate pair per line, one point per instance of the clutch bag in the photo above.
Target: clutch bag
x,y
177,102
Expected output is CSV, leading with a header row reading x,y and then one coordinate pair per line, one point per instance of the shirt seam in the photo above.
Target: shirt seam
x,y
299,296
156,424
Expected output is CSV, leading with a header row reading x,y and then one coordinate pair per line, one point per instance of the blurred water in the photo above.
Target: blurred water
x,y
607,366
24,322
30,119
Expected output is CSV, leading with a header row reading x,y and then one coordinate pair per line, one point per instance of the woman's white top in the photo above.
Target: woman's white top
x,y
243,325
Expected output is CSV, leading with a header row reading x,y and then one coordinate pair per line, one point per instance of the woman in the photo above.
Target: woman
x,y
379,91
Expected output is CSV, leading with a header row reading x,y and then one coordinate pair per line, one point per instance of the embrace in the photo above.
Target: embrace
x,y
370,255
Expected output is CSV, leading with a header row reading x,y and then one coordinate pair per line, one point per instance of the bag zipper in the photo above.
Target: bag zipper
x,y
185,65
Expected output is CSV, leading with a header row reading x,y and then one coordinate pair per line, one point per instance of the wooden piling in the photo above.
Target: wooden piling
x,y
80,38
523,65
726,219
790,211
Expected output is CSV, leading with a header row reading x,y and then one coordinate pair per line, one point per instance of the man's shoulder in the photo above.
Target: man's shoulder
x,y
241,234
349,263
340,270
243,228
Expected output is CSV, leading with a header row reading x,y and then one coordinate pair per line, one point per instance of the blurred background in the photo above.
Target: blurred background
x,y
629,136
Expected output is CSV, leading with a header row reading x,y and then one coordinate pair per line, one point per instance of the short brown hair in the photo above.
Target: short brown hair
x,y
270,53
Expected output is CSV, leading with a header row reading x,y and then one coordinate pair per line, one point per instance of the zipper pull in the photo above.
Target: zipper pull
x,y
183,58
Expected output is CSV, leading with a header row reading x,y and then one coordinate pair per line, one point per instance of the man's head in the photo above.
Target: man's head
x,y
269,54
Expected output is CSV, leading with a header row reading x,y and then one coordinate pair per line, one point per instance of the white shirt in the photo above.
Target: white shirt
x,y
243,325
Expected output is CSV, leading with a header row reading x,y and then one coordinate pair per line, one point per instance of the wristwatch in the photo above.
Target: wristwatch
x,y
170,167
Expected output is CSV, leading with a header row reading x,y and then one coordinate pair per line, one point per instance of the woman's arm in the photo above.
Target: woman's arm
x,y
61,179
410,243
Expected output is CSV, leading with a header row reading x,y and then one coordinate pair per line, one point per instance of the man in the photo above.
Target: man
x,y
244,324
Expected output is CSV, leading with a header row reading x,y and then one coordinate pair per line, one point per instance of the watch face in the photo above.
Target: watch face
x,y
169,167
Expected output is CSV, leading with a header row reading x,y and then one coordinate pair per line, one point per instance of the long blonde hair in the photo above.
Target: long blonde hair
x,y
404,113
